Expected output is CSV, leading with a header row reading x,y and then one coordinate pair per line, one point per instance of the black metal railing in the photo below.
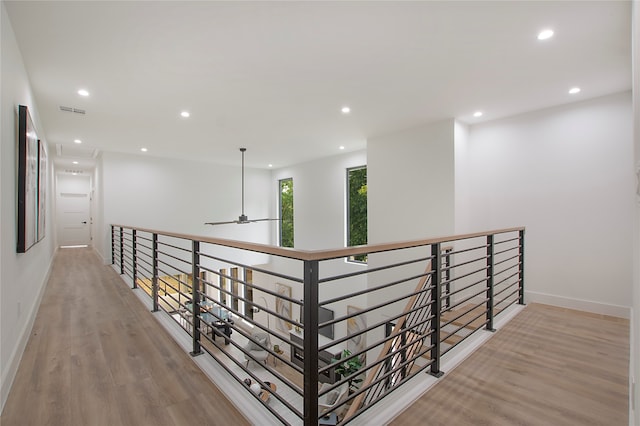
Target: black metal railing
x,y
318,335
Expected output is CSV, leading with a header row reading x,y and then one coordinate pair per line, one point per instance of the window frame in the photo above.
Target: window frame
x,y
281,221
352,259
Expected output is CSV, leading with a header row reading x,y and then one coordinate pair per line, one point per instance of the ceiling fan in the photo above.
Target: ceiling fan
x,y
242,218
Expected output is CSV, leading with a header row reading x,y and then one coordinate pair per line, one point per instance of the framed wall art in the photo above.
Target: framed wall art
x,y
28,169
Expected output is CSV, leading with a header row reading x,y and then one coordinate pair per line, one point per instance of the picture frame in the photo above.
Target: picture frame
x,y
28,168
283,307
356,324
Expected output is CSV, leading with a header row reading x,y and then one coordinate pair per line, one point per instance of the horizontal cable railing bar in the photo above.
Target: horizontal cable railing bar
x,y
461,289
507,260
457,265
371,270
165,244
444,324
508,296
264,271
376,288
257,379
495,243
186,261
454,252
464,276
379,342
506,278
506,288
373,308
506,250
160,261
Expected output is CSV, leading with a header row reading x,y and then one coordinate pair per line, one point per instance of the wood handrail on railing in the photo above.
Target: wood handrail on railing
x,y
320,254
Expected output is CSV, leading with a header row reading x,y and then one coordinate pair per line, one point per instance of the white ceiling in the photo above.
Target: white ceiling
x,y
272,76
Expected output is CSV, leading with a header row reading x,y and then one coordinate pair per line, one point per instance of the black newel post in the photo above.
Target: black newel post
x,y
134,253
154,279
310,342
490,250
121,251
521,274
113,245
436,307
195,297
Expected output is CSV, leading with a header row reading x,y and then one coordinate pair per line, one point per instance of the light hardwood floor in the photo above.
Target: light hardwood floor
x,y
548,366
96,356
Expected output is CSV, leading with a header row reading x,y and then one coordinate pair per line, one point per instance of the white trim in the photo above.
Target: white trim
x,y
578,304
9,374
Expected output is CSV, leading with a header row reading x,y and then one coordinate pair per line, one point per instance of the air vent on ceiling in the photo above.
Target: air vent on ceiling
x,y
75,172
74,110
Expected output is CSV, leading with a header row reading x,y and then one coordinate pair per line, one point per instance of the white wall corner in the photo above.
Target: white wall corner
x,y
578,304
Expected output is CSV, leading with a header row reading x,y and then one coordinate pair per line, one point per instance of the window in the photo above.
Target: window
x,y
286,212
357,209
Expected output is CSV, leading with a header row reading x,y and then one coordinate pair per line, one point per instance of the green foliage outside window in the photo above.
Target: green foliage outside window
x,y
286,212
357,189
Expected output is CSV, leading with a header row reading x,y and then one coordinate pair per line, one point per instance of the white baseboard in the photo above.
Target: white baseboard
x,y
9,374
578,304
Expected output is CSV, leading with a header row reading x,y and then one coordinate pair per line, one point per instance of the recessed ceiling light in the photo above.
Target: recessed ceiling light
x,y
341,147
75,162
574,90
545,34
143,149
77,141
185,114
74,173
345,110
270,165
83,92
477,114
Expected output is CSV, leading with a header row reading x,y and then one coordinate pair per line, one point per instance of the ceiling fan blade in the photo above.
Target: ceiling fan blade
x,y
261,220
221,223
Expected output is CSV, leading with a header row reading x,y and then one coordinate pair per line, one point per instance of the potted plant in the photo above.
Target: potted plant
x,y
349,367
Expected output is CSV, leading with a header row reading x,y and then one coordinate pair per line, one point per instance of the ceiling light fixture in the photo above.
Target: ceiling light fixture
x,y
75,162
545,34
477,114
574,90
345,110
143,149
341,147
185,114
83,92
270,165
77,141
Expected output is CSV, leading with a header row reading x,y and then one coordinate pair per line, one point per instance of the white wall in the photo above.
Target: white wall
x,y
319,198
22,276
411,183
565,174
180,196
411,187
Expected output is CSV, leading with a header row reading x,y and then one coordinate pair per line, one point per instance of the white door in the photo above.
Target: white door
x,y
73,201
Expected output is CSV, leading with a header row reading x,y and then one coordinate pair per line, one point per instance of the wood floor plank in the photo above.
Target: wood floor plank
x,y
96,356
548,366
